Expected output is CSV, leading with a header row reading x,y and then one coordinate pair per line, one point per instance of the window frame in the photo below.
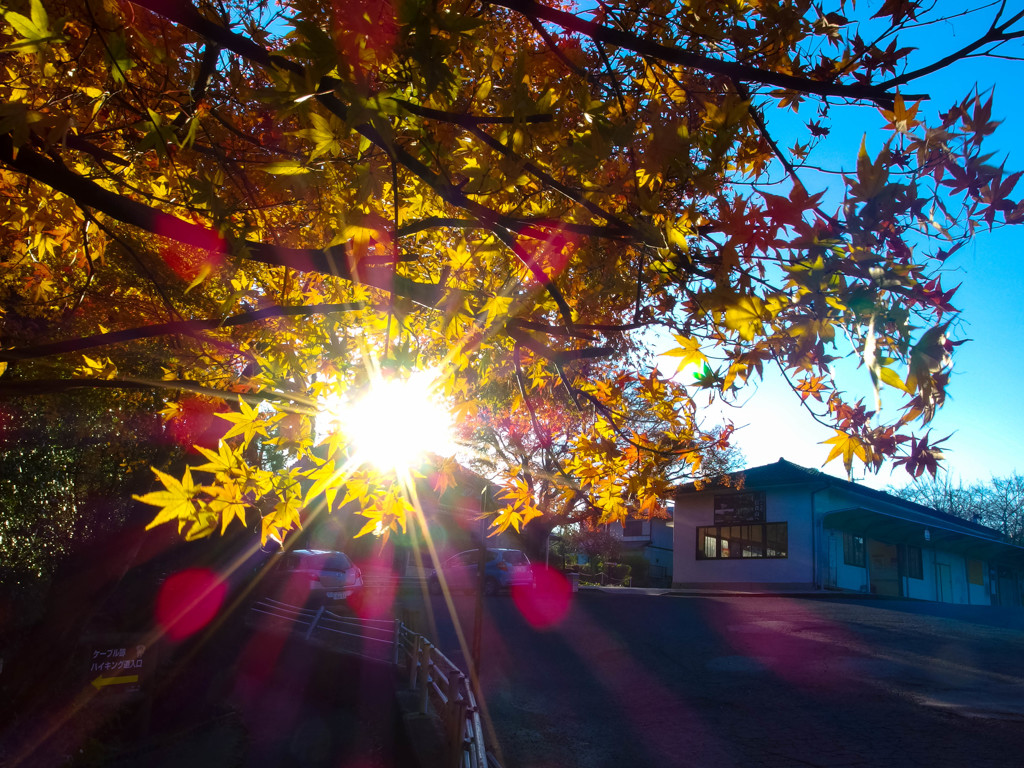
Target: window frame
x,y
744,540
914,562
854,550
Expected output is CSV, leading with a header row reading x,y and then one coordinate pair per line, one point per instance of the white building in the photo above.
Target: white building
x,y
784,527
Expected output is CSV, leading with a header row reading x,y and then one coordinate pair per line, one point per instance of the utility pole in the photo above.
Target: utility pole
x,y
478,618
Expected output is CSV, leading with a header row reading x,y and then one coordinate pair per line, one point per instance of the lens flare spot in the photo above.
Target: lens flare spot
x,y
196,250
188,601
546,603
193,422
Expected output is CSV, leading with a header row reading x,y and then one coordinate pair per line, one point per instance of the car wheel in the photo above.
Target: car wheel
x,y
491,586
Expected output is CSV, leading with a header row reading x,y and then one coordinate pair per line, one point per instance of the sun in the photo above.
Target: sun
x,y
394,423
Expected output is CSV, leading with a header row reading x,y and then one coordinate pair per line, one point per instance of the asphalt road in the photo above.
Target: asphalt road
x,y
633,680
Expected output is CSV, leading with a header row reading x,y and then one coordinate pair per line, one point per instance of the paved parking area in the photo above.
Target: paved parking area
x,y
647,680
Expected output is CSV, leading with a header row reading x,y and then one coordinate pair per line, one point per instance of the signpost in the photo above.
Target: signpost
x,y
118,663
103,682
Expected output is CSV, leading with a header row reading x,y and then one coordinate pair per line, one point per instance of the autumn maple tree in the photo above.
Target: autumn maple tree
x,y
253,208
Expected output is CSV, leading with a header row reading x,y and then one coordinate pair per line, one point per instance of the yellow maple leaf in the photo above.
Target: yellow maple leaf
x,y
220,462
176,501
203,524
385,516
688,352
846,446
465,409
283,518
902,119
872,175
246,422
745,317
323,477
612,509
518,511
226,503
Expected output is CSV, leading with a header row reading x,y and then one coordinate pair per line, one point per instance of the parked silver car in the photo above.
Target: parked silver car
x,y
503,569
314,576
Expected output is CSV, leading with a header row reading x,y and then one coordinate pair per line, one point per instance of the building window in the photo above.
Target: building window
x,y
730,542
915,563
976,572
853,550
633,528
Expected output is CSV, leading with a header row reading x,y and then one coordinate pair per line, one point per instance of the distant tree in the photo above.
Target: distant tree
x,y
943,494
597,543
68,464
720,458
1004,509
998,503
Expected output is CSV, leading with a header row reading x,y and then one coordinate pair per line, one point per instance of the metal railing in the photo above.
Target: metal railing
x,y
441,686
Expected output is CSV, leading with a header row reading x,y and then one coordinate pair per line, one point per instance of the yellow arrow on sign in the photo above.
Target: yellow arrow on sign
x,y
103,682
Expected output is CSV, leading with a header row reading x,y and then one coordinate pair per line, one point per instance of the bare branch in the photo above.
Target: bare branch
x,y
995,34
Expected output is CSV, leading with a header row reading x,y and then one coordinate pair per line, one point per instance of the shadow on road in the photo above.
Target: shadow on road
x,y
656,681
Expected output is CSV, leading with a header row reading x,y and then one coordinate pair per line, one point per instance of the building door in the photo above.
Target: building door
x,y
884,570
833,559
943,583
1007,587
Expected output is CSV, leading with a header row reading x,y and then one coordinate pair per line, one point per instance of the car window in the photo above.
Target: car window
x,y
312,562
453,562
337,561
514,557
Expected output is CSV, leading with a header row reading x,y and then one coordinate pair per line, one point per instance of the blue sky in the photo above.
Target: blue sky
x,y
982,411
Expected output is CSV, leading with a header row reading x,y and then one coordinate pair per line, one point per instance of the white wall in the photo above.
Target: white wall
x,y
797,505
781,505
924,588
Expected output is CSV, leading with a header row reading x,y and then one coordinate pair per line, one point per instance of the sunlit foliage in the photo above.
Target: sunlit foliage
x,y
273,204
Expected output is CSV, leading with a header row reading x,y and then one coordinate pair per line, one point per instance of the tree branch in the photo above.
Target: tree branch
x,y
465,120
207,67
745,72
574,195
179,327
579,327
15,388
994,34
538,229
336,260
558,357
